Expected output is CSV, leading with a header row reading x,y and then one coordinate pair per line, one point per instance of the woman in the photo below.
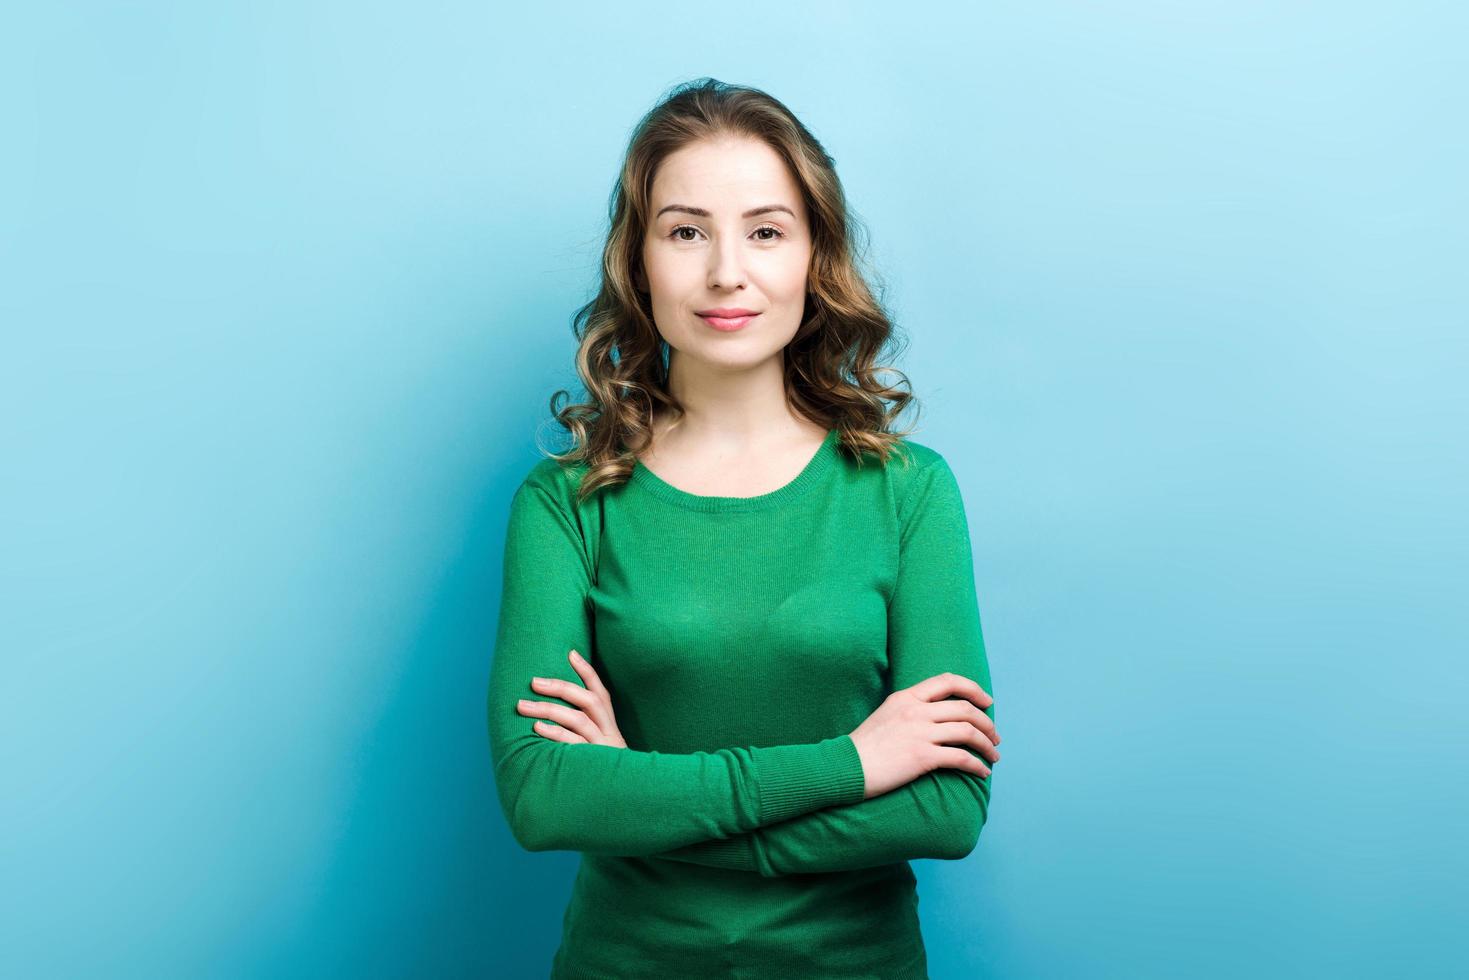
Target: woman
x,y
739,664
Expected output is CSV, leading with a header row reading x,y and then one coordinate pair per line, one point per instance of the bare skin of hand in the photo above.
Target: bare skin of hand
x,y
590,721
919,729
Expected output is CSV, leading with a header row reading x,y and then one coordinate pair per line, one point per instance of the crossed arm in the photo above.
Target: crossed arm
x,y
774,810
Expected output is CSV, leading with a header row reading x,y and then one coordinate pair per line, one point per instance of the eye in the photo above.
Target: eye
x,y
677,230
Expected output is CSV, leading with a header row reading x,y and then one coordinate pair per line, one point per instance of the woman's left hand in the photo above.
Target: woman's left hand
x,y
594,723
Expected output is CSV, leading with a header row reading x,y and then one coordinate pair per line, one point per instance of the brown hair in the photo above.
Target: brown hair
x,y
830,370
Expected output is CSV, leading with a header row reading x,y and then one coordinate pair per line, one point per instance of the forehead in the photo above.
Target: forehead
x,y
729,174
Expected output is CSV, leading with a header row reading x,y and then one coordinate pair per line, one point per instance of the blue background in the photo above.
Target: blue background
x,y
286,288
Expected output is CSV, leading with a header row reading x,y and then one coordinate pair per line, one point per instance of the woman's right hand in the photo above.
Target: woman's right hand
x,y
918,729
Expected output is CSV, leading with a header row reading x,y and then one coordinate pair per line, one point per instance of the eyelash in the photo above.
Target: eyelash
x,y
778,233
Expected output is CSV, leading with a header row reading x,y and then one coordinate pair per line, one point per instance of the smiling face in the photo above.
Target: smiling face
x,y
728,232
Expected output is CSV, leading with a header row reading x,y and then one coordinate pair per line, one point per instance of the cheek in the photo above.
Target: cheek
x,y
669,277
788,278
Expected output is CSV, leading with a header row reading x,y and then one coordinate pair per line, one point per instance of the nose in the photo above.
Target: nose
x,y
726,266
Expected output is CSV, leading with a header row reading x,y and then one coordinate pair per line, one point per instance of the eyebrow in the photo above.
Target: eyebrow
x,y
704,213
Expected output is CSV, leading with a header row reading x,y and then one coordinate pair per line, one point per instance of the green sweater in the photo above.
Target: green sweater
x,y
742,640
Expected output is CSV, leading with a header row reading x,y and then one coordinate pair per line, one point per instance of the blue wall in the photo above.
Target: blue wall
x,y
286,287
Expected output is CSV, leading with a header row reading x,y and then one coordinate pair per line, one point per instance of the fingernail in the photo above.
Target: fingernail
x,y
521,703
576,655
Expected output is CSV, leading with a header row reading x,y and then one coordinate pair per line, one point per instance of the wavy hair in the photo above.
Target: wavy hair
x,y
831,370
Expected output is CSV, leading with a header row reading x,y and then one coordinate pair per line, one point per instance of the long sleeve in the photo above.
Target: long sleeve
x,y
933,627
598,798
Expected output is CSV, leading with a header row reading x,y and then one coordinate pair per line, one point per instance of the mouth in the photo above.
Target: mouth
x,y
727,318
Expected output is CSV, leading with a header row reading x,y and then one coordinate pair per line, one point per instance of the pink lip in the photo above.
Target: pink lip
x,y
726,311
727,320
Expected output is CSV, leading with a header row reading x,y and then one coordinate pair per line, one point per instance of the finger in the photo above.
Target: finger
x,y
588,674
588,701
601,711
556,733
952,710
963,733
957,758
568,691
942,685
565,717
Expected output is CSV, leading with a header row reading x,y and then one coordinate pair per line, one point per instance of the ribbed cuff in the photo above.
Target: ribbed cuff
x,y
797,779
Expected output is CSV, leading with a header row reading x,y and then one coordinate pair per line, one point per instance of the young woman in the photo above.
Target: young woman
x,y
738,664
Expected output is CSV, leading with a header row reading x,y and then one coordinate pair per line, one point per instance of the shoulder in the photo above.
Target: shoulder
x,y
921,456
554,479
545,515
921,477
549,474
913,464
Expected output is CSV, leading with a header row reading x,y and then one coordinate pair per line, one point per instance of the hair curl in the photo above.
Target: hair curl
x,y
831,375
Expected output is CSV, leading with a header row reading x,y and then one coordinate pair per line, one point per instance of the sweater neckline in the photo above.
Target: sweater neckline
x,y
817,465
